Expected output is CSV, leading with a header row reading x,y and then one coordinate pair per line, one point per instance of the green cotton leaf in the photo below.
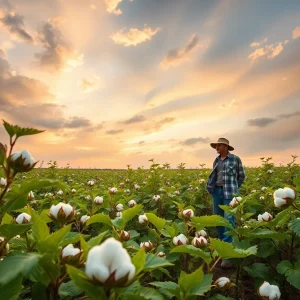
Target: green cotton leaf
x,y
158,222
12,289
69,289
84,246
154,262
17,197
139,260
170,230
203,287
193,251
119,223
295,226
282,217
226,250
51,243
188,281
263,233
19,131
39,291
133,234
145,293
40,230
130,213
81,281
99,218
9,231
291,272
210,221
96,240
259,270
7,219
14,265
69,238
168,285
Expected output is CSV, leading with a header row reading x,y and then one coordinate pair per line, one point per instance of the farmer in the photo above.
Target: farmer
x,y
223,183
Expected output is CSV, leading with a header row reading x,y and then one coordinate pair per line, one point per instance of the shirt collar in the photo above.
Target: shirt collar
x,y
228,155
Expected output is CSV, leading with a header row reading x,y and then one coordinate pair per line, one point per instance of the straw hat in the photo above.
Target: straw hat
x,y
222,141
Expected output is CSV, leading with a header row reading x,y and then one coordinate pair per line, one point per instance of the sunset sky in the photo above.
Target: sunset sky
x,y
117,82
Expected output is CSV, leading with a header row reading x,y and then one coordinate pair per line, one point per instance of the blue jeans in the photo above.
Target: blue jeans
x,y
218,199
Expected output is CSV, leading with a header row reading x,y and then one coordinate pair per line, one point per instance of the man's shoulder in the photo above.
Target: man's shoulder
x,y
234,156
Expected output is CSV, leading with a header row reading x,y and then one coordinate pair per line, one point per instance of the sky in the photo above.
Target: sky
x,y
119,82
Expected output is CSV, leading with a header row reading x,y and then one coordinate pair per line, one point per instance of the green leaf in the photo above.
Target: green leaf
x,y
84,246
14,265
203,287
19,131
69,289
188,281
11,230
130,213
283,266
7,219
159,223
171,230
99,218
17,197
263,233
154,262
81,281
226,250
169,285
295,226
259,270
119,223
96,240
69,238
39,291
145,293
139,260
292,273
210,221
12,289
51,243
40,230
193,251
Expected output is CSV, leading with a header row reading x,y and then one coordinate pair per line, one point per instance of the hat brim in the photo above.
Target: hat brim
x,y
214,145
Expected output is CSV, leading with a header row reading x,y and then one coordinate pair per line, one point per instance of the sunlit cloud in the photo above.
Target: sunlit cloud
x,y
112,6
134,36
296,32
177,56
257,44
15,25
58,54
88,85
228,105
269,51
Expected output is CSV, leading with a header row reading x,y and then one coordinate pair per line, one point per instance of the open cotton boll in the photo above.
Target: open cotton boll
x,y
109,262
23,218
222,281
70,251
181,239
269,292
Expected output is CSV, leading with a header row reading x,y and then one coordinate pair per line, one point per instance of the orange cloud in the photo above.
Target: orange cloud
x,y
88,85
296,32
134,36
270,51
112,6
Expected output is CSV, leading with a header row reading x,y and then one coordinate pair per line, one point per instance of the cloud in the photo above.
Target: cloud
x,y
193,141
256,44
163,122
112,6
2,53
88,85
262,122
228,105
135,119
176,56
15,25
114,131
58,54
269,51
134,36
76,122
141,142
296,32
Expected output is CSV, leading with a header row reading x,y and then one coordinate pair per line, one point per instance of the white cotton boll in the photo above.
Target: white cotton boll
x,y
84,218
131,203
70,251
98,200
119,207
188,213
263,188
73,191
279,202
261,198
60,193
289,193
3,182
23,218
143,219
181,239
222,281
280,193
201,233
265,217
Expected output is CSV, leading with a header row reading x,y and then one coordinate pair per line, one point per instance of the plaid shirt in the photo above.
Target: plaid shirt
x,y
233,175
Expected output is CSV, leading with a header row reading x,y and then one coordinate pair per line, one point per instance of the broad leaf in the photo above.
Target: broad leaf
x,y
130,213
19,131
193,251
96,240
295,226
12,289
203,287
153,262
226,250
139,260
69,289
11,230
291,272
210,221
188,281
159,223
99,218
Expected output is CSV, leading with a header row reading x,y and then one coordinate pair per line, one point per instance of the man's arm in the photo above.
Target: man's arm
x,y
241,173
